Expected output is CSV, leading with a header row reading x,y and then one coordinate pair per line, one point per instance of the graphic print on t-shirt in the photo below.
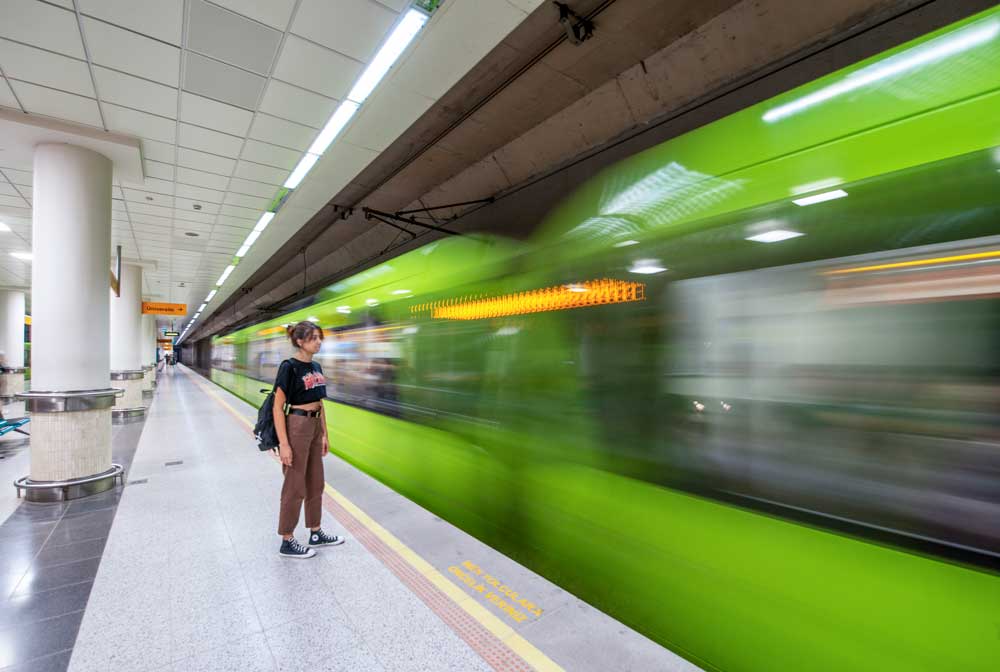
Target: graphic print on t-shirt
x,y
314,379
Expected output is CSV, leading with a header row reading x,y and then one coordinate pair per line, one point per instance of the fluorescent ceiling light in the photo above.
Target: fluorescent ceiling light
x,y
23,256
626,243
647,267
196,316
252,238
775,236
942,47
211,295
225,274
242,252
334,126
821,198
305,165
4,228
202,307
264,220
401,37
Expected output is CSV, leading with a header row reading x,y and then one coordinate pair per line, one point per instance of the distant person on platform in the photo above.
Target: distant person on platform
x,y
300,422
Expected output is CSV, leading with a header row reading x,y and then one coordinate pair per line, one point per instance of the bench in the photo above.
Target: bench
x,y
8,425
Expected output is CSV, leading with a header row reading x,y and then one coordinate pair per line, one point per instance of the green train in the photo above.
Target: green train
x,y
741,391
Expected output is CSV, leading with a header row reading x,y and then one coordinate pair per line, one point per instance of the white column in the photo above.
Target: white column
x,y
126,337
148,349
71,250
12,342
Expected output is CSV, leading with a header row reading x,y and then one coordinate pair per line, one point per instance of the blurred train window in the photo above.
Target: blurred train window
x,y
363,365
872,398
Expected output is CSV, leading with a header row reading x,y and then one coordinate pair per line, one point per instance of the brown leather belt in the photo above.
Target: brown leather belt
x,y
299,411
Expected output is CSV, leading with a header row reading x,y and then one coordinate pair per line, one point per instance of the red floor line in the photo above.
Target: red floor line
x,y
499,656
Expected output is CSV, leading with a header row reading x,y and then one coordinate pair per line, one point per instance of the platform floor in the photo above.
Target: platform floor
x,y
189,578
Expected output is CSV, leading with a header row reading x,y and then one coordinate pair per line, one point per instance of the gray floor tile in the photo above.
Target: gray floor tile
x,y
24,642
51,555
68,532
56,662
205,626
39,579
48,604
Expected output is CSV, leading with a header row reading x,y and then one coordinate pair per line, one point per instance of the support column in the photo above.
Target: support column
x,y
148,351
11,344
126,344
70,399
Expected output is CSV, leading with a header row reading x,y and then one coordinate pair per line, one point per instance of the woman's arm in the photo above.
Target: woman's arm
x,y
278,413
326,434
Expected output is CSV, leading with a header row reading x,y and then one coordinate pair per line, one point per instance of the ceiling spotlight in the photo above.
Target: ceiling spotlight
x,y
191,234
196,206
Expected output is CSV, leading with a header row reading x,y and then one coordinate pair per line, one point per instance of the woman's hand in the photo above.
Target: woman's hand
x,y
285,454
326,442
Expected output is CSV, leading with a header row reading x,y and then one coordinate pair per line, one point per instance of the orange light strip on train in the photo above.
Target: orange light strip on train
x,y
562,297
917,262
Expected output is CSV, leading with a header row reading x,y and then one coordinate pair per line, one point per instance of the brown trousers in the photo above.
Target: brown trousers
x,y
304,479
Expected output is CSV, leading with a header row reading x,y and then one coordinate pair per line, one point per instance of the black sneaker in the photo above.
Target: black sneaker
x,y
291,548
321,538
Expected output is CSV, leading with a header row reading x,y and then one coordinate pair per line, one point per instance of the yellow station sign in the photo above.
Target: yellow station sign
x,y
154,308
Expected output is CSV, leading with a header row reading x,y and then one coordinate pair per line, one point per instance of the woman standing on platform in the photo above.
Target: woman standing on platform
x,y
299,420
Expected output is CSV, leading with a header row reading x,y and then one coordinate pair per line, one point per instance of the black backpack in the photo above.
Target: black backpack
x,y
263,431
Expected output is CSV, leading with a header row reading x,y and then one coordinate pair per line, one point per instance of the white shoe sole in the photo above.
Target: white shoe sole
x,y
304,556
335,543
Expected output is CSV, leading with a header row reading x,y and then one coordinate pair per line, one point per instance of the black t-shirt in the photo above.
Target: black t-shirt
x,y
302,382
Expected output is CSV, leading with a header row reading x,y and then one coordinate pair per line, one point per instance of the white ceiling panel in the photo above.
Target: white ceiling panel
x,y
7,98
187,205
199,178
151,197
322,21
274,13
237,211
148,209
211,163
136,93
117,206
231,38
186,217
222,82
36,23
157,151
196,137
15,201
52,103
316,68
162,171
148,221
255,203
259,173
200,194
282,132
7,189
157,18
211,114
295,104
152,185
135,54
251,188
236,222
45,68
143,124
270,155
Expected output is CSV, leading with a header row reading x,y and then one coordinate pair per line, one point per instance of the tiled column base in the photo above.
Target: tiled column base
x,y
133,393
11,384
70,445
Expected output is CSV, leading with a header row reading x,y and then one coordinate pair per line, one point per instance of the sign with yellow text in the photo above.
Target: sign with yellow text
x,y
153,308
